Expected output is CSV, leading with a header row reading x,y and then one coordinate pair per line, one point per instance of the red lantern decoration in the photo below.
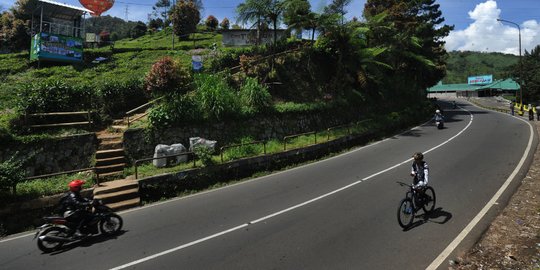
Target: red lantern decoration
x,y
97,6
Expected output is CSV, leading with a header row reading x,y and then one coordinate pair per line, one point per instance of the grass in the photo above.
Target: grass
x,y
55,185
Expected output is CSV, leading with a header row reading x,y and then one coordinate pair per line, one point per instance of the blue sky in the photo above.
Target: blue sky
x,y
476,27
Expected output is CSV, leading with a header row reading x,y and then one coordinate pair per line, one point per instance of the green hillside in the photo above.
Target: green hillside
x,y
461,65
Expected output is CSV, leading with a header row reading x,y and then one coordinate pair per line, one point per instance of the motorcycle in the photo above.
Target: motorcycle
x,y
439,122
59,230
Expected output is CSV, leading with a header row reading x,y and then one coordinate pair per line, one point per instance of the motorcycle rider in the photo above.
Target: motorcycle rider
x,y
438,116
419,170
75,206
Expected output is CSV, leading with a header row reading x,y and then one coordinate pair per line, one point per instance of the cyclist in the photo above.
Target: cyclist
x,y
419,170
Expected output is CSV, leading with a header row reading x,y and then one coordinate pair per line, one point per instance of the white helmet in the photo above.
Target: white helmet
x,y
438,111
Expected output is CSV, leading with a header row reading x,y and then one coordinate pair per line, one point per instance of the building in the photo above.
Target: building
x,y
477,86
248,37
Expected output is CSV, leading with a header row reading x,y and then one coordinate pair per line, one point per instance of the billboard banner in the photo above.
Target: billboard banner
x,y
53,47
483,79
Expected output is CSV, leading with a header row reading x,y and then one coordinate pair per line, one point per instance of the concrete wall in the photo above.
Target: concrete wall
x,y
53,155
138,144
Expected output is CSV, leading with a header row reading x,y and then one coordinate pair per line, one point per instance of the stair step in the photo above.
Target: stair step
x,y
119,127
115,186
118,196
111,175
125,204
110,168
110,161
101,154
110,137
110,145
118,122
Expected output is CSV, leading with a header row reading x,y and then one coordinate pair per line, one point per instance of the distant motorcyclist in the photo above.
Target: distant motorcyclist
x,y
74,206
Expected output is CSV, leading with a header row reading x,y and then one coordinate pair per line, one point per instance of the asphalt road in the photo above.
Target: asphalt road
x,y
339,213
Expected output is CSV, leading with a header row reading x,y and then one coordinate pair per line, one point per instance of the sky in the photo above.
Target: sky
x,y
475,21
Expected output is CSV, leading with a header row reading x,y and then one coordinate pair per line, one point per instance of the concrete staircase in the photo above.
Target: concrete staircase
x,y
110,163
110,156
119,194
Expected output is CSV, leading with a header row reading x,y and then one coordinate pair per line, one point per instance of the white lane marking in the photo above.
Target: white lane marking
x,y
446,252
284,210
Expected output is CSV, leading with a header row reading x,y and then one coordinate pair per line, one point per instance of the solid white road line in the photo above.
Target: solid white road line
x,y
446,252
284,210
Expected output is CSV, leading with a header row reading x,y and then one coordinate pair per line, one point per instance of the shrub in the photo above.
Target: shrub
x,y
165,77
121,94
174,110
11,173
215,98
254,96
205,154
54,96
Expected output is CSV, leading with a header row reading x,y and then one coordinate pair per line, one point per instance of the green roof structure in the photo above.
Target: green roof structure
x,y
464,89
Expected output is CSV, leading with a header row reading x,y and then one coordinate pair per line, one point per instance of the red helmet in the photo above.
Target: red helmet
x,y
76,185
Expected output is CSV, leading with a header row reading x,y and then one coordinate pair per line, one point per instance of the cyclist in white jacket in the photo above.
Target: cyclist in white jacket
x,y
419,170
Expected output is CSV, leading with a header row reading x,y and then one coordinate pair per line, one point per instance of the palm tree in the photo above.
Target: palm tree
x,y
259,11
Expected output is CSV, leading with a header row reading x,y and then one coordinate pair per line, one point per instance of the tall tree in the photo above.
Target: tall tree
x,y
529,74
211,23
259,12
185,17
338,7
161,9
413,33
296,13
225,24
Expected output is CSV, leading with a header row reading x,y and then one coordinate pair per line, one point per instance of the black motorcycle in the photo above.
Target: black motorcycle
x,y
58,230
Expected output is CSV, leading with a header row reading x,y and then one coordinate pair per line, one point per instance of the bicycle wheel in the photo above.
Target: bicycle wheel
x,y
429,199
405,214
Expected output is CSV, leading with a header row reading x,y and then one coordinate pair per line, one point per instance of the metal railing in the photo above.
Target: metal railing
x,y
240,145
298,135
129,113
137,162
88,121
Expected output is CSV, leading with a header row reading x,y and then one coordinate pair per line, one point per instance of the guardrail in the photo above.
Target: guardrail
x,y
129,113
59,124
298,135
93,169
137,162
240,145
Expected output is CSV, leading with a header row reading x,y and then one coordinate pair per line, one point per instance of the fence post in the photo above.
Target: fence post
x,y
315,134
136,174
264,147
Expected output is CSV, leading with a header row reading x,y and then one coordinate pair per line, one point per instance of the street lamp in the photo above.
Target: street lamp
x,y
520,65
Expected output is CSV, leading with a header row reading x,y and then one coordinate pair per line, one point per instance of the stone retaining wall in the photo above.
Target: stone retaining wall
x,y
53,155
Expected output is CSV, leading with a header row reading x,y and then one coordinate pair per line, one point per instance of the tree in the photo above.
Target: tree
x,y
295,14
225,24
161,9
529,75
260,11
413,35
156,23
15,25
185,17
138,30
211,23
337,7
167,77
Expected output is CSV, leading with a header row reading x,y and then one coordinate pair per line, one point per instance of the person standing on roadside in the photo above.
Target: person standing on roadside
x,y
512,107
538,113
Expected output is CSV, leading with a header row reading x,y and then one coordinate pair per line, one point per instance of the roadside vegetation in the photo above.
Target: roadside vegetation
x,y
381,66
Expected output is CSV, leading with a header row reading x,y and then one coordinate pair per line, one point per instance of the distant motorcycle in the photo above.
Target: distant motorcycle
x,y
58,230
439,123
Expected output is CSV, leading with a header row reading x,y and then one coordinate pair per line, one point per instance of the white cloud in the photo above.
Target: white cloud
x,y
486,34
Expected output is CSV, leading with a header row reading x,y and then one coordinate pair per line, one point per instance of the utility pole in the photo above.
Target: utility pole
x,y
127,12
172,24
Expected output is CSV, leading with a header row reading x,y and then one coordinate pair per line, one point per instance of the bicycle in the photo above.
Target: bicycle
x,y
415,199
